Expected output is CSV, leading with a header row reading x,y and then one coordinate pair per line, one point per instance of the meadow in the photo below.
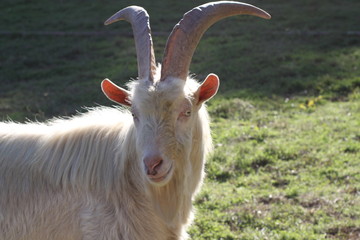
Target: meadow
x,y
286,120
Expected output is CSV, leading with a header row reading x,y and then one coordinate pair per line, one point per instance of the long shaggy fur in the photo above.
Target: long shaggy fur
x,y
81,178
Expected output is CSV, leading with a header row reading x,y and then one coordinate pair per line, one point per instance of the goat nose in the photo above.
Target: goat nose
x,y
152,164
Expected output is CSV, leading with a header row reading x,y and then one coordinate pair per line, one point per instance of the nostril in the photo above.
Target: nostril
x,y
158,165
152,165
155,168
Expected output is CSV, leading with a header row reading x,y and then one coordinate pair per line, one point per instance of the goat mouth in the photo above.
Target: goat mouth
x,y
158,178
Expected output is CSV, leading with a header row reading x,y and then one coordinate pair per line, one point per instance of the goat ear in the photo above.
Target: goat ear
x,y
115,93
207,89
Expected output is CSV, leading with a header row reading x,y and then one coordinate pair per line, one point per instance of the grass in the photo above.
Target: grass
x,y
285,174
285,123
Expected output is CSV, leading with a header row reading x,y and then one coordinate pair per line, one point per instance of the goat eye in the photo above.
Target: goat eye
x,y
184,115
134,116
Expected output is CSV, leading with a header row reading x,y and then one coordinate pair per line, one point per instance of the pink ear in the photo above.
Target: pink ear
x,y
115,93
208,88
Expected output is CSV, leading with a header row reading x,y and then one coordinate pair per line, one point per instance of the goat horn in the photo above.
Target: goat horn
x,y
186,34
139,19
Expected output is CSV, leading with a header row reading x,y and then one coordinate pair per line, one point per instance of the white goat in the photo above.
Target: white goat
x,y
110,174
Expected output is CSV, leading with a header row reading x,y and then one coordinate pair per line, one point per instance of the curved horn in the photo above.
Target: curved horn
x,y
139,19
186,34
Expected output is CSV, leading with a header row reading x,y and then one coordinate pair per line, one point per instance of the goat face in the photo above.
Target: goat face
x,y
164,115
159,117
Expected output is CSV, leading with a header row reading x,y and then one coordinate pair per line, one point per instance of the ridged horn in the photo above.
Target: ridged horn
x,y
139,19
187,33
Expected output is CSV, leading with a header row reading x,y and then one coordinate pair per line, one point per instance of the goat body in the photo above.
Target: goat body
x,y
81,178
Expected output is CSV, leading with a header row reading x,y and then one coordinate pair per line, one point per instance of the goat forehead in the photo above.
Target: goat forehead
x,y
158,97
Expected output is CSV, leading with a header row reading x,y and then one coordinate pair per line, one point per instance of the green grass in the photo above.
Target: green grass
x,y
286,173
286,122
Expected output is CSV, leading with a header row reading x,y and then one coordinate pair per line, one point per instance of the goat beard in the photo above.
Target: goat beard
x,y
174,194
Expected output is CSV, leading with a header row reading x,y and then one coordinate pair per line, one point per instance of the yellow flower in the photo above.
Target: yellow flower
x,y
311,103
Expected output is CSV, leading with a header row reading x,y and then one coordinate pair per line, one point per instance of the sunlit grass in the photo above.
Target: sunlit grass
x,y
295,176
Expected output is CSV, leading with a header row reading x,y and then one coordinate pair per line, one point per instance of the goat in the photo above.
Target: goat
x,y
112,173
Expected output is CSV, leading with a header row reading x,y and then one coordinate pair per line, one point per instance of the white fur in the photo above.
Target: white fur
x,y
83,177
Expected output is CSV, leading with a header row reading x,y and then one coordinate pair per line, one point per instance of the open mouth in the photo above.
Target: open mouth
x,y
161,176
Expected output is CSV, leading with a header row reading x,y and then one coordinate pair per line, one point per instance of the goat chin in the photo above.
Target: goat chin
x,y
163,178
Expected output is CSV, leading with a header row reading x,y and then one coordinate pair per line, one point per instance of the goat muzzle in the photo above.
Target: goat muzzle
x,y
156,169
